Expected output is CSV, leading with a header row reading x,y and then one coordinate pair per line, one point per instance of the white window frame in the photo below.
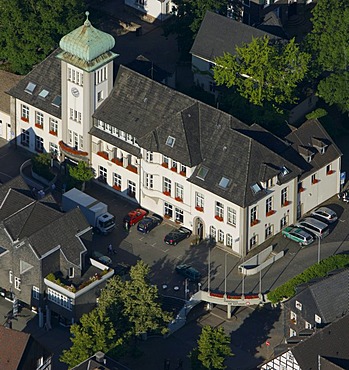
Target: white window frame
x,y
39,143
149,156
317,319
166,184
168,209
39,118
284,196
231,216
269,204
131,187
269,231
283,222
149,180
229,240
213,232
219,209
117,179
36,292
253,241
298,305
199,200
165,159
17,283
179,191
220,236
25,111
103,173
183,169
179,215
253,214
54,125
10,276
25,137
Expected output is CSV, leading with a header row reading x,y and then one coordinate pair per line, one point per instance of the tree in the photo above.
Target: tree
x,y
140,301
188,15
81,172
213,348
263,71
328,44
22,42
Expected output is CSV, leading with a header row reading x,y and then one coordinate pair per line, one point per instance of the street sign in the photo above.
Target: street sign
x,y
343,176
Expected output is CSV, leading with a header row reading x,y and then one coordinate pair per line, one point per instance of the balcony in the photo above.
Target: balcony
x,y
132,168
71,151
104,155
117,161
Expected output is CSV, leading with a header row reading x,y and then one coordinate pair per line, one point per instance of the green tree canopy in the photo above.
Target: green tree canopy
x,y
81,172
263,70
30,30
329,46
213,348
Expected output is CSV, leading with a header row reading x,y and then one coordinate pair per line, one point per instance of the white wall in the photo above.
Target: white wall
x,y
5,130
155,8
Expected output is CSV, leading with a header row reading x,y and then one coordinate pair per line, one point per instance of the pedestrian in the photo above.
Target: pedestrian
x,y
110,249
127,226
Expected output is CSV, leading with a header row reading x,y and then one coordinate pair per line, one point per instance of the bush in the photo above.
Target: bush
x,y
41,164
321,269
317,113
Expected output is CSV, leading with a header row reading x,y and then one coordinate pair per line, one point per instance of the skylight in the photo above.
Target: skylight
x,y
30,87
224,183
43,93
170,141
203,171
256,188
284,171
57,101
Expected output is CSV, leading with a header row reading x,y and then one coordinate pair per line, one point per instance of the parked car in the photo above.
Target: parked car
x,y
188,272
177,235
134,216
325,214
298,235
318,228
148,223
101,258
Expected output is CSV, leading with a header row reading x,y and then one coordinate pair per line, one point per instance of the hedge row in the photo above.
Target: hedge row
x,y
321,269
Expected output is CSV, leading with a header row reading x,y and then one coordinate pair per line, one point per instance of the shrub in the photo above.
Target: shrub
x,y
51,277
317,113
41,164
288,289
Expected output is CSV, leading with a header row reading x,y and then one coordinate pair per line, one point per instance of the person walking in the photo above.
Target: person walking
x,y
110,249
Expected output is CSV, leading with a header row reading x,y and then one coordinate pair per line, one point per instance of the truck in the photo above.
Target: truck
x,y
95,212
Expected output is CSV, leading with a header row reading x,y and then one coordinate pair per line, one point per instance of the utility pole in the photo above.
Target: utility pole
x,y
225,275
318,250
209,269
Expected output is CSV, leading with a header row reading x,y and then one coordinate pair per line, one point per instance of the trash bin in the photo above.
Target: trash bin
x,y
139,31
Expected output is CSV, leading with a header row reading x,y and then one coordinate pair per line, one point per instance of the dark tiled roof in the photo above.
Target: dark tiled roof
x,y
13,202
13,345
8,80
92,364
18,184
46,75
272,24
218,35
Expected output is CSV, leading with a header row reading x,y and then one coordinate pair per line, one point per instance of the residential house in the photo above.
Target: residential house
x,y
318,303
8,80
152,9
218,35
326,348
99,361
20,351
44,260
172,154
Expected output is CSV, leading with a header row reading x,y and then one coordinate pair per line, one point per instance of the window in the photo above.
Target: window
x,y
43,94
39,119
231,216
149,157
17,283
199,201
30,88
170,141
283,222
179,215
314,180
102,174
270,183
168,209
100,96
39,144
76,140
293,333
299,306
219,211
71,272
149,181
213,232
253,215
75,115
224,183
179,192
36,292
229,240
165,160
117,180
53,126
59,299
329,170
25,112
166,186
284,196
129,138
183,169
268,231
202,173
220,236
256,188
2,251
307,325
293,317
317,319
253,241
100,75
174,165
81,140
25,137
10,276
131,189
269,205
57,101
70,136
75,76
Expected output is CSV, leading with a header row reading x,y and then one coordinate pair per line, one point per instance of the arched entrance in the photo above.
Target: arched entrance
x,y
199,228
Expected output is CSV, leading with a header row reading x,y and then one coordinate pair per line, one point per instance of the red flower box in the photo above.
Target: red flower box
x,y
38,125
167,216
270,213
200,209
330,172
71,150
218,295
174,169
178,199
103,155
116,187
254,222
132,168
183,173
301,190
167,193
53,133
219,218
315,181
117,161
286,203
25,119
164,165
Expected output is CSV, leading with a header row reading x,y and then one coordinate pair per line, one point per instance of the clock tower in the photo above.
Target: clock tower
x,y
86,80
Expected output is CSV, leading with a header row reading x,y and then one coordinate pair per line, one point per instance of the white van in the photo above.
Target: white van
x,y
318,228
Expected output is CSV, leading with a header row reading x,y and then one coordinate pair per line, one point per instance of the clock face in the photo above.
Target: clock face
x,y
75,92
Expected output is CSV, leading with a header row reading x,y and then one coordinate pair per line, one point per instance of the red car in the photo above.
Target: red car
x,y
134,216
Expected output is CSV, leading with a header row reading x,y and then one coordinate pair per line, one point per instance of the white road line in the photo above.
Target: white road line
x,y
141,238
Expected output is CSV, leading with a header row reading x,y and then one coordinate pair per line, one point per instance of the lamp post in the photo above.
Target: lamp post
x,y
225,275
209,269
318,250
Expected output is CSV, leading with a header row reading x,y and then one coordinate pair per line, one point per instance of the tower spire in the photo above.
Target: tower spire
x,y
87,22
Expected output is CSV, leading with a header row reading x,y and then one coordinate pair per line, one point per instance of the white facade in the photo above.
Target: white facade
x,y
5,127
286,361
157,9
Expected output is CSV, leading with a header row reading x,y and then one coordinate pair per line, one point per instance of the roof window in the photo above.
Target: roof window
x,y
57,101
203,171
256,188
43,93
170,141
30,87
284,171
224,183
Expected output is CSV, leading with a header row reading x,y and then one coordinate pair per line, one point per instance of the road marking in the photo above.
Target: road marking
x,y
341,220
153,245
141,238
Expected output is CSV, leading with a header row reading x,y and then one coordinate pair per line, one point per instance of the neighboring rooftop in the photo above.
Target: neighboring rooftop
x,y
99,361
8,80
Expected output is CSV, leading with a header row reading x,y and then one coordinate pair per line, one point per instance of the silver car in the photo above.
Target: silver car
x,y
325,214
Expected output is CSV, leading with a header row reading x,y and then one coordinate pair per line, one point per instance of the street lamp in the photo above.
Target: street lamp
x,y
209,269
318,250
225,274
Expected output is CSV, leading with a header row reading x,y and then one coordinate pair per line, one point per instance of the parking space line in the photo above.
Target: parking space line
x,y
141,238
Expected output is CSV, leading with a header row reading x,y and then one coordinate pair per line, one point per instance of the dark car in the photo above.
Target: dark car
x,y
134,216
148,223
177,235
188,272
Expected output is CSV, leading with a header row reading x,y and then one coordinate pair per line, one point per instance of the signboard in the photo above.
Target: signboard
x,y
343,176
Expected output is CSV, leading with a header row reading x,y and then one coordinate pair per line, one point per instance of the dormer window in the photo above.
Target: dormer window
x,y
284,171
30,88
170,141
309,158
203,171
319,144
224,183
43,93
256,188
57,101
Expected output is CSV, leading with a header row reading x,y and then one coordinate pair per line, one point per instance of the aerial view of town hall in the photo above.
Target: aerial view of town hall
x,y
174,186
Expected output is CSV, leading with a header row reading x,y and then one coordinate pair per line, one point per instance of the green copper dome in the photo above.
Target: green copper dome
x,y
86,42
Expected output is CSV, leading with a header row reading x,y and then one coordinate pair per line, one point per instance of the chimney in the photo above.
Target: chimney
x,y
100,357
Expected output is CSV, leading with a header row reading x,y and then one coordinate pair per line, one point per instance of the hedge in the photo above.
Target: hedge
x,y
288,289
